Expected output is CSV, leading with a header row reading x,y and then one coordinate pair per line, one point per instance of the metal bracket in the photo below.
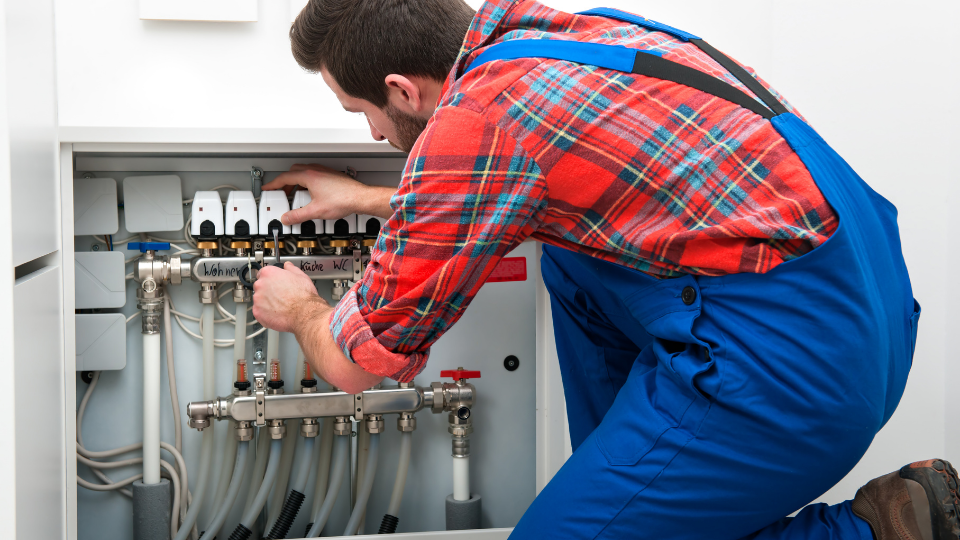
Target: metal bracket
x,y
259,351
256,180
357,267
358,405
260,388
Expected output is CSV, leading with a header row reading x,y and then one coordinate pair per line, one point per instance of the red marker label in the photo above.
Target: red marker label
x,y
509,269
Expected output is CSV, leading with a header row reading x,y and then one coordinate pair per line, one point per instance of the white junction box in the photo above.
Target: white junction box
x,y
100,279
152,203
95,206
101,341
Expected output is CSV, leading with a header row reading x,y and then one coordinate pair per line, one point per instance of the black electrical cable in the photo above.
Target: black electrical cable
x,y
240,533
389,524
287,514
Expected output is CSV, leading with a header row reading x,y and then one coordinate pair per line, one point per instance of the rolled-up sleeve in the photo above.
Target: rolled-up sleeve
x,y
468,196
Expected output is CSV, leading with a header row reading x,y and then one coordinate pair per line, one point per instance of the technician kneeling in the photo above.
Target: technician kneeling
x,y
733,314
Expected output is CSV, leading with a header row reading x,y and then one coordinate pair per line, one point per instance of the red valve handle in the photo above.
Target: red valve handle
x,y
458,374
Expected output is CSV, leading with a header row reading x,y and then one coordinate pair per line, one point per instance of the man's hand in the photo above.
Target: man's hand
x,y
281,296
333,194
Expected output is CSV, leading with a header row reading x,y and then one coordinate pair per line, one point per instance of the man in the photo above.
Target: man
x,y
733,316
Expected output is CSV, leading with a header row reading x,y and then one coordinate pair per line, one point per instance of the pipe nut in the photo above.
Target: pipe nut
x,y
208,293
374,423
309,428
438,397
461,447
244,431
406,422
175,271
241,294
277,429
342,426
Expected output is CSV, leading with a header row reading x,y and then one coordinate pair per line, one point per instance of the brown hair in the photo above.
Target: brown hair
x,y
360,42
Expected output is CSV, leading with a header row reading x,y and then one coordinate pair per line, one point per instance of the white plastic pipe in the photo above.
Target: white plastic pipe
x,y
151,408
256,476
209,389
206,456
323,465
230,446
302,466
341,463
273,345
363,495
231,495
406,443
461,478
273,464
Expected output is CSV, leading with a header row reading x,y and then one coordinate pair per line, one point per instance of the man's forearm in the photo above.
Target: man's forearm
x,y
375,201
323,353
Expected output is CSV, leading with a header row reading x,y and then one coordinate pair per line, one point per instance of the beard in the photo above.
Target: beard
x,y
408,128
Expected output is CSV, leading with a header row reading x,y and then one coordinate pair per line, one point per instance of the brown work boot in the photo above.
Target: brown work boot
x,y
918,502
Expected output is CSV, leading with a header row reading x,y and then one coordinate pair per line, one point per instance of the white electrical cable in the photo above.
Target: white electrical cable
x,y
80,410
406,444
151,409
341,456
363,495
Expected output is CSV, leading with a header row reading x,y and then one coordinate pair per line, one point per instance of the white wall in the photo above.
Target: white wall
x,y
876,78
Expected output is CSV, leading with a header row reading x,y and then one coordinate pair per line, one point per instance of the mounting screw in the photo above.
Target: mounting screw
x,y
258,356
86,376
95,247
511,363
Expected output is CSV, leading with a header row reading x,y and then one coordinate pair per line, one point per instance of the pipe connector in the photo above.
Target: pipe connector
x,y
199,413
241,294
276,428
406,422
244,431
374,423
340,287
208,293
309,428
461,447
342,426
460,424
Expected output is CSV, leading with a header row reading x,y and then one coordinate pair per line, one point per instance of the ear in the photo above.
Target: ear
x,y
404,93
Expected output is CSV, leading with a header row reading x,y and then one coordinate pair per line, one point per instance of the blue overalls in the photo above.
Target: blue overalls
x,y
712,407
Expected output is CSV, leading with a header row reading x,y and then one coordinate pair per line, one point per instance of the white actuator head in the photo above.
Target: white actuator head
x,y
206,215
369,225
273,204
342,227
300,199
241,215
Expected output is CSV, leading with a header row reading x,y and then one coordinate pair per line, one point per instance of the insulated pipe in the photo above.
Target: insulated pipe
x,y
406,443
151,409
231,496
461,478
363,495
323,465
341,455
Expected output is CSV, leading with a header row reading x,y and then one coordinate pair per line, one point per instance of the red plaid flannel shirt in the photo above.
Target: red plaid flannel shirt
x,y
638,171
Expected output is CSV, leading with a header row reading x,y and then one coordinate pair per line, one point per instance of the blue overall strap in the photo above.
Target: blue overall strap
x,y
619,58
734,68
650,24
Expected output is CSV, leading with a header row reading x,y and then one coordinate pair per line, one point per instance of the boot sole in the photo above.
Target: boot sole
x,y
942,486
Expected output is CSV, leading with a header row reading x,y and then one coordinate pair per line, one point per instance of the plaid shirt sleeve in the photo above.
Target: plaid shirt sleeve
x,y
468,196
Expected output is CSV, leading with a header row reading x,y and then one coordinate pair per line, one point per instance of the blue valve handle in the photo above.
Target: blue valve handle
x,y
149,246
